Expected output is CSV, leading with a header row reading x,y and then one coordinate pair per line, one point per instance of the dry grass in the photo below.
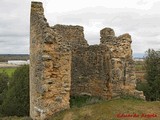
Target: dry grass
x,y
108,110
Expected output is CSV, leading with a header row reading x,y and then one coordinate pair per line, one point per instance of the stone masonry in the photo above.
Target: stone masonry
x,y
62,64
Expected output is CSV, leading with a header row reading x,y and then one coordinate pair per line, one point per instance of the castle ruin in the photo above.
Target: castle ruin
x,y
62,64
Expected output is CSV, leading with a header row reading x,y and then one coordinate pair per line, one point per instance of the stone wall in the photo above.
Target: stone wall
x,y
50,68
91,71
90,64
72,36
123,79
63,64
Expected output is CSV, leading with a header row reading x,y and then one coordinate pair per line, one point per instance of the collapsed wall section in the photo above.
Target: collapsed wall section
x,y
50,67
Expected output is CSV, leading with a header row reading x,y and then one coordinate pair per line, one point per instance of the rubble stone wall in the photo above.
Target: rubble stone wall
x,y
123,79
63,64
90,64
72,36
91,71
50,68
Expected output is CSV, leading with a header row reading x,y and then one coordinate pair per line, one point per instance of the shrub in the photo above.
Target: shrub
x,y
16,102
152,66
79,101
4,78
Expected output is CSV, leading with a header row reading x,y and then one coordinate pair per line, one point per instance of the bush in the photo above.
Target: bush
x,y
16,102
79,101
152,66
4,78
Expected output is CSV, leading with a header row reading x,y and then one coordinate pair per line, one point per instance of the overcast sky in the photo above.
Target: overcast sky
x,y
139,18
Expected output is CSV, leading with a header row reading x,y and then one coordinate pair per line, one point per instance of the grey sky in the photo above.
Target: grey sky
x,y
140,18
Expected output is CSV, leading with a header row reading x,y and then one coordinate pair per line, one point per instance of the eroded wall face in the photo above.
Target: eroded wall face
x,y
123,79
50,68
90,71
90,66
36,69
72,36
63,64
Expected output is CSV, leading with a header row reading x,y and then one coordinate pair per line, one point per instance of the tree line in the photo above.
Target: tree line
x,y
14,93
151,87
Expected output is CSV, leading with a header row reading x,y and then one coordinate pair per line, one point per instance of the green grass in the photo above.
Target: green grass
x,y
139,67
79,101
108,110
9,71
15,118
105,110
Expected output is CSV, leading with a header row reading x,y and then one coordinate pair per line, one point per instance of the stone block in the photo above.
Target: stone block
x,y
46,57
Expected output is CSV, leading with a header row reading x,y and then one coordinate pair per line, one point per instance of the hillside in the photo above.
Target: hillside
x,y
108,110
113,110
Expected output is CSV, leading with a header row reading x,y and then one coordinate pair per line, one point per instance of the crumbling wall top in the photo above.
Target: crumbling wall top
x,y
105,32
37,7
71,35
125,37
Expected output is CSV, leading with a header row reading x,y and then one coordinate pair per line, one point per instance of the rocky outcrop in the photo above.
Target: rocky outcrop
x,y
63,64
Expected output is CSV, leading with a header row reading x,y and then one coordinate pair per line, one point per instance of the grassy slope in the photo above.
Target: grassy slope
x,y
15,118
9,71
108,110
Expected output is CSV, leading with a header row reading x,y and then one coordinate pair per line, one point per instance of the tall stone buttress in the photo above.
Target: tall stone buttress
x,y
50,67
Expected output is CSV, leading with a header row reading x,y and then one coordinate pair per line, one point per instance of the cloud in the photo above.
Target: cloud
x,y
14,26
14,45
142,2
141,22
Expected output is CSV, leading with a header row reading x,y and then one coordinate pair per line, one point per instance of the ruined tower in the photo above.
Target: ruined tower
x,y
50,67
63,64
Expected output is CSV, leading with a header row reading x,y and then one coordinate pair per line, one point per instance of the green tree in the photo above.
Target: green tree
x,y
17,98
4,78
152,66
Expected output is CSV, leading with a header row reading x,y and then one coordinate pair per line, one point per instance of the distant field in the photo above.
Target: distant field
x,y
9,71
140,70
